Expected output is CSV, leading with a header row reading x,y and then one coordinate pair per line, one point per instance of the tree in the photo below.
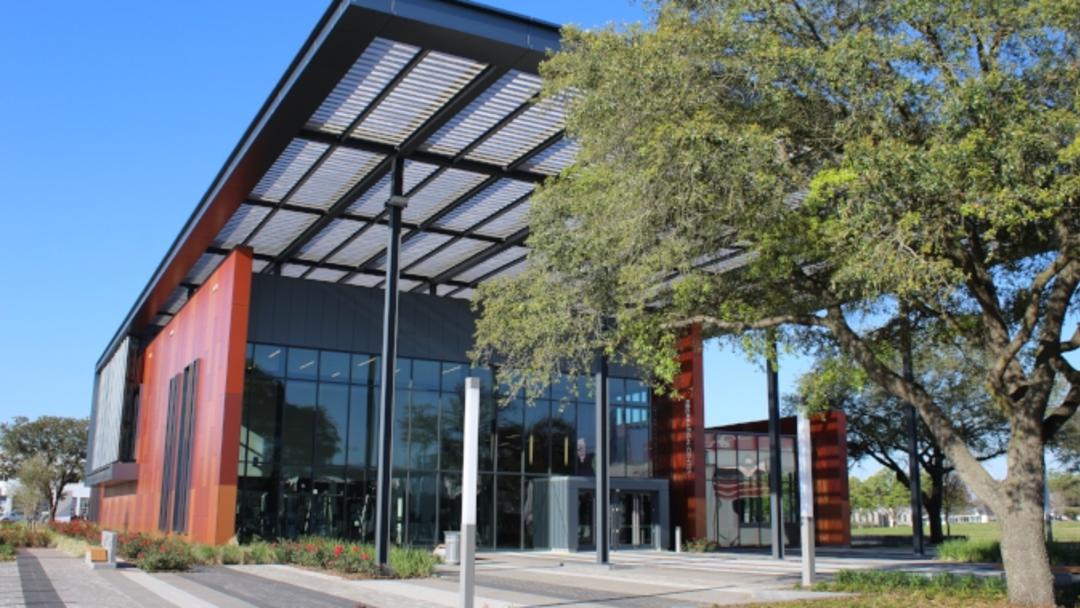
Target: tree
x,y
878,491
61,444
875,431
33,491
1067,445
1065,492
954,497
820,169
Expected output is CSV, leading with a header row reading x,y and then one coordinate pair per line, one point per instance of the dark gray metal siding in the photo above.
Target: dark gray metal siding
x,y
313,314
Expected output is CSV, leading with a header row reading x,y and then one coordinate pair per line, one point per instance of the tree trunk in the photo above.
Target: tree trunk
x,y
1023,545
1023,552
935,499
933,511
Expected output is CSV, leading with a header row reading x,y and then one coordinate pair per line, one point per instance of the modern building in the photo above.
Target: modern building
x,y
385,178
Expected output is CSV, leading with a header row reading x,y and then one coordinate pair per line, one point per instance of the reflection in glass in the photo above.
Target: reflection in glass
x,y
307,448
270,359
537,436
365,369
298,423
303,363
424,430
332,424
361,425
563,437
509,439
334,367
508,511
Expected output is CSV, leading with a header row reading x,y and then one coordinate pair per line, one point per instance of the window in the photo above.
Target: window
x,y
537,436
334,367
332,424
303,363
309,447
179,429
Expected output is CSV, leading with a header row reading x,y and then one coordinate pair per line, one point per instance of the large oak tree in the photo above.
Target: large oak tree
x,y
819,168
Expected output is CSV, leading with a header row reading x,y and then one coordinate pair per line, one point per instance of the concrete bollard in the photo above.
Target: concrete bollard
x,y
453,547
105,555
678,539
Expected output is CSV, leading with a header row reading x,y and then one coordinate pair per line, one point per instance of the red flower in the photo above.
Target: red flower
x,y
365,556
140,555
354,548
310,548
338,550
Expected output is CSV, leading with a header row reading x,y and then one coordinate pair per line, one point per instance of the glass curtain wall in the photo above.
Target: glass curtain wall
x,y
308,448
737,489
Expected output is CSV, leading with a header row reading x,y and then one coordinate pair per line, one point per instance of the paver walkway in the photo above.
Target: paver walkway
x,y
47,578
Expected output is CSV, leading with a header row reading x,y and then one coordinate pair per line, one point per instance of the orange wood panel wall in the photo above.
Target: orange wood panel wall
x,y
212,328
679,439
832,507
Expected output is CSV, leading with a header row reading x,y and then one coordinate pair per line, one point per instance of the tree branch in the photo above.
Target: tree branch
x,y
948,438
741,326
1058,416
1030,318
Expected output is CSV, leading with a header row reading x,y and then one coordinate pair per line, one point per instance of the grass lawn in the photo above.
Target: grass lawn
x,y
1064,531
890,600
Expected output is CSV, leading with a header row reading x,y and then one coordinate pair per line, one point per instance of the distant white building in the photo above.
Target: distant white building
x,y
891,518
7,489
74,500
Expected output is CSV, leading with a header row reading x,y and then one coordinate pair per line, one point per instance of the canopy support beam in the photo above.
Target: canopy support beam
x,y
394,207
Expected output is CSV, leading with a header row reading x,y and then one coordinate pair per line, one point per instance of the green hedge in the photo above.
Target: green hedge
x,y
938,585
152,552
1061,554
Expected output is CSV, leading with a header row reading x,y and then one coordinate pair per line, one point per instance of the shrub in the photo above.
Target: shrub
x,y
355,559
1061,554
79,528
7,552
939,585
21,535
412,563
75,547
700,545
130,544
207,555
970,551
1064,554
259,553
232,555
166,554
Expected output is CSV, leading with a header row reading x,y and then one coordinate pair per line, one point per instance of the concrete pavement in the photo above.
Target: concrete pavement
x,y
637,579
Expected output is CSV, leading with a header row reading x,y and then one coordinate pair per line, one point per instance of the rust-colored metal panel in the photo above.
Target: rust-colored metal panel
x,y
832,507
210,328
679,439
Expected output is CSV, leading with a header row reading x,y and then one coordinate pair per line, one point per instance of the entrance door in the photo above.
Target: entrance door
x,y
632,519
585,520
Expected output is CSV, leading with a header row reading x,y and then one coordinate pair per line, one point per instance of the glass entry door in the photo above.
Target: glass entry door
x,y
632,519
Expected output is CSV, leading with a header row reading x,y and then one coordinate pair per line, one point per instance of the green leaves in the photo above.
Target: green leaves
x,y
816,152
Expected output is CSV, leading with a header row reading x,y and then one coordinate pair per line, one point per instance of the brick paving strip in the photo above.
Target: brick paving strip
x,y
37,589
10,586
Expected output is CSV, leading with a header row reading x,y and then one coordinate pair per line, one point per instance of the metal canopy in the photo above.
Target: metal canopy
x,y
448,87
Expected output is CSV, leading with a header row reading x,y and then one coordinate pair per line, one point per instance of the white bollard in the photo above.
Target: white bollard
x,y
806,498
678,539
467,569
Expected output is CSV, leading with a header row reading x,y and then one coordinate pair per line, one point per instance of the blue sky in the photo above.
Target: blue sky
x,y
115,117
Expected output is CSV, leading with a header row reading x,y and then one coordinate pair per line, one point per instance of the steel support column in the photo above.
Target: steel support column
x,y
776,513
914,482
601,531
394,207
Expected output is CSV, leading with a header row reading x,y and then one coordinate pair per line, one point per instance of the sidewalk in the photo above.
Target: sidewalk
x,y
637,579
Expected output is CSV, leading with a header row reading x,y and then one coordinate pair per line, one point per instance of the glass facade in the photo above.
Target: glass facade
x,y
308,448
737,489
